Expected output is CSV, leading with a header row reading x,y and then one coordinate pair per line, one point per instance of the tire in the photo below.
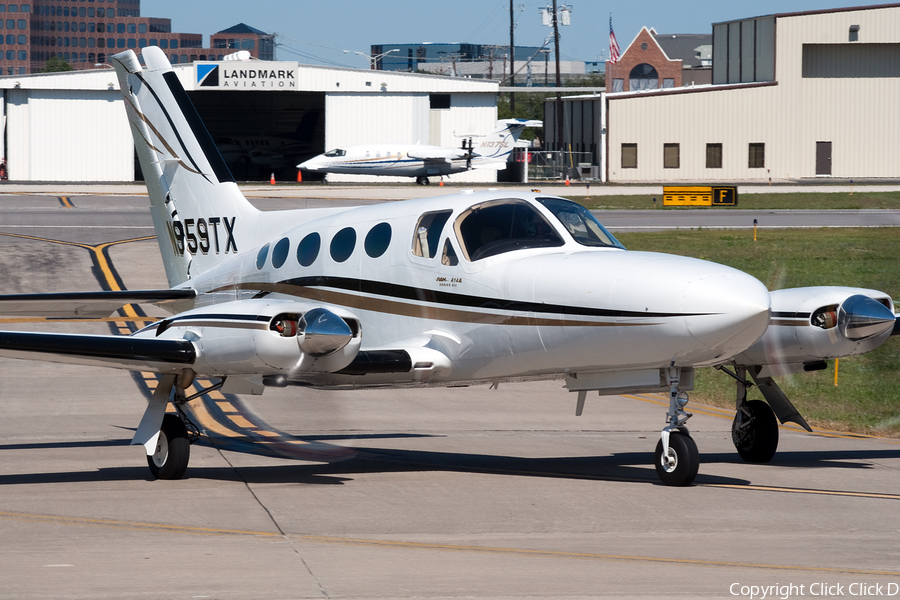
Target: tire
x,y
759,443
684,460
173,450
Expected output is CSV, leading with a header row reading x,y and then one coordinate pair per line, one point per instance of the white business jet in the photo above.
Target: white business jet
x,y
421,162
462,289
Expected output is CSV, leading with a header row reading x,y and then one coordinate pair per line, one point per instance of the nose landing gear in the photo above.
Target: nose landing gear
x,y
676,459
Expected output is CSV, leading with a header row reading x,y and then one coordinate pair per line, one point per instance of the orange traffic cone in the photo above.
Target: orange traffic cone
x,y
442,182
299,176
567,179
272,178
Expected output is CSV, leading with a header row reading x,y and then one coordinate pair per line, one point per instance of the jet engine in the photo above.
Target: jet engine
x,y
268,338
810,325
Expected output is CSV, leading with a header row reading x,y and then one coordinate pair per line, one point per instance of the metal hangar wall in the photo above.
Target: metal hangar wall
x,y
265,116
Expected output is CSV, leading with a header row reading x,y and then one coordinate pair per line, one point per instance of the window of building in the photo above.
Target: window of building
x,y
308,249
643,77
22,24
110,42
668,82
22,39
173,58
132,43
629,156
13,7
757,156
500,226
120,43
184,58
101,12
120,28
427,233
714,156
132,28
101,27
671,156
439,101
2,8
142,28
173,44
163,43
10,23
342,244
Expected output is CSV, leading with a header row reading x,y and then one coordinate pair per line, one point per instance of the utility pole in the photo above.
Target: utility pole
x,y
559,106
512,57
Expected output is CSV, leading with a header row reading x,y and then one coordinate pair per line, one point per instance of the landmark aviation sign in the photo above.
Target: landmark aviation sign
x,y
246,75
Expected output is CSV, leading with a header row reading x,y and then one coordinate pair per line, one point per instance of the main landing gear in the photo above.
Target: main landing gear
x,y
676,458
754,430
422,180
167,437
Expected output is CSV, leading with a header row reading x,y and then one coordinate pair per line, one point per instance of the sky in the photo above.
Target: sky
x,y
320,32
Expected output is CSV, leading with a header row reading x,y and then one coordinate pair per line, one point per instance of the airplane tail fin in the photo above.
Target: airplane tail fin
x,y
199,214
499,143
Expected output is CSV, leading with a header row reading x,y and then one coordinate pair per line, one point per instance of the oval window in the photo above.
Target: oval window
x,y
261,257
280,252
342,244
308,249
378,239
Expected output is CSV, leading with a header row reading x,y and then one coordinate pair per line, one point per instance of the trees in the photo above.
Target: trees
x,y
56,64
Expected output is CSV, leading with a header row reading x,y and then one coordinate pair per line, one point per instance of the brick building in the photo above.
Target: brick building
x,y
87,32
643,66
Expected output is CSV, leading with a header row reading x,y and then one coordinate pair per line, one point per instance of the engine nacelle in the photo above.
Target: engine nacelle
x,y
810,325
265,337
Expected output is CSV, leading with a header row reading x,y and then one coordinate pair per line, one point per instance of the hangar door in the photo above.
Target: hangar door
x,y
68,135
260,132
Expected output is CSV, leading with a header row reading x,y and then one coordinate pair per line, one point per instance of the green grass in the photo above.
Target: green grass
x,y
819,201
867,398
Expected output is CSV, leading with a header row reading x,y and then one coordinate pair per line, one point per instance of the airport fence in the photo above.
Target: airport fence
x,y
555,165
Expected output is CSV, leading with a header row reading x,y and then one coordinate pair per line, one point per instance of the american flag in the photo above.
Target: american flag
x,y
613,44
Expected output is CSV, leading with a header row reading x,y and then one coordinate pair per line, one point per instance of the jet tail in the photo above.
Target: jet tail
x,y
199,214
499,143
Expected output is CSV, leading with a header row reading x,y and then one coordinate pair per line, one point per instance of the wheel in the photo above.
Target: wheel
x,y
756,439
680,463
422,180
173,450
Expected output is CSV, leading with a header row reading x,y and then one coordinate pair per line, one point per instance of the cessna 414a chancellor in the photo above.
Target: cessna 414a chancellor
x,y
414,160
469,288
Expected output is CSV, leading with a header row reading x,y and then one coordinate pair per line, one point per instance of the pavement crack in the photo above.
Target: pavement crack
x,y
275,523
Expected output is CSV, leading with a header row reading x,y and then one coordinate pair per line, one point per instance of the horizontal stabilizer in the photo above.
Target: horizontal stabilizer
x,y
85,304
99,350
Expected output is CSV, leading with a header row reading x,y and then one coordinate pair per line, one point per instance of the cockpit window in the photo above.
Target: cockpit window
x,y
336,152
428,233
500,226
580,223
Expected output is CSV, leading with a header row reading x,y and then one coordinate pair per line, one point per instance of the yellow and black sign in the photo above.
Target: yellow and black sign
x,y
700,196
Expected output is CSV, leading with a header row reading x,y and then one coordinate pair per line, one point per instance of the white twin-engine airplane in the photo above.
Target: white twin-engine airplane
x,y
468,288
414,160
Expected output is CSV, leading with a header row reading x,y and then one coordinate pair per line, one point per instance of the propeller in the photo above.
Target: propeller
x,y
468,154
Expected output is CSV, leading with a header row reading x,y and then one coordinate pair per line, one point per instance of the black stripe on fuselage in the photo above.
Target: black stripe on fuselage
x,y
404,292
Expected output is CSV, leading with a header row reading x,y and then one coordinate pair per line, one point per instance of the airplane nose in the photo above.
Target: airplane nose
x,y
734,308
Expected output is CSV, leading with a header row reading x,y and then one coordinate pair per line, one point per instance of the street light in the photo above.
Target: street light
x,y
373,60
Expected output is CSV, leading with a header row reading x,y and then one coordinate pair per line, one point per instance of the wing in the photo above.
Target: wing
x,y
85,304
160,355
438,155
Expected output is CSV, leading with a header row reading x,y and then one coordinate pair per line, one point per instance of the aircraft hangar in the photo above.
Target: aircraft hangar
x,y
265,116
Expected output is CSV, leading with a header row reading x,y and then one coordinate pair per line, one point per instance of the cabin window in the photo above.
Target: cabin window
x,y
377,240
580,223
308,249
448,255
501,226
261,257
336,152
342,244
280,252
427,233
